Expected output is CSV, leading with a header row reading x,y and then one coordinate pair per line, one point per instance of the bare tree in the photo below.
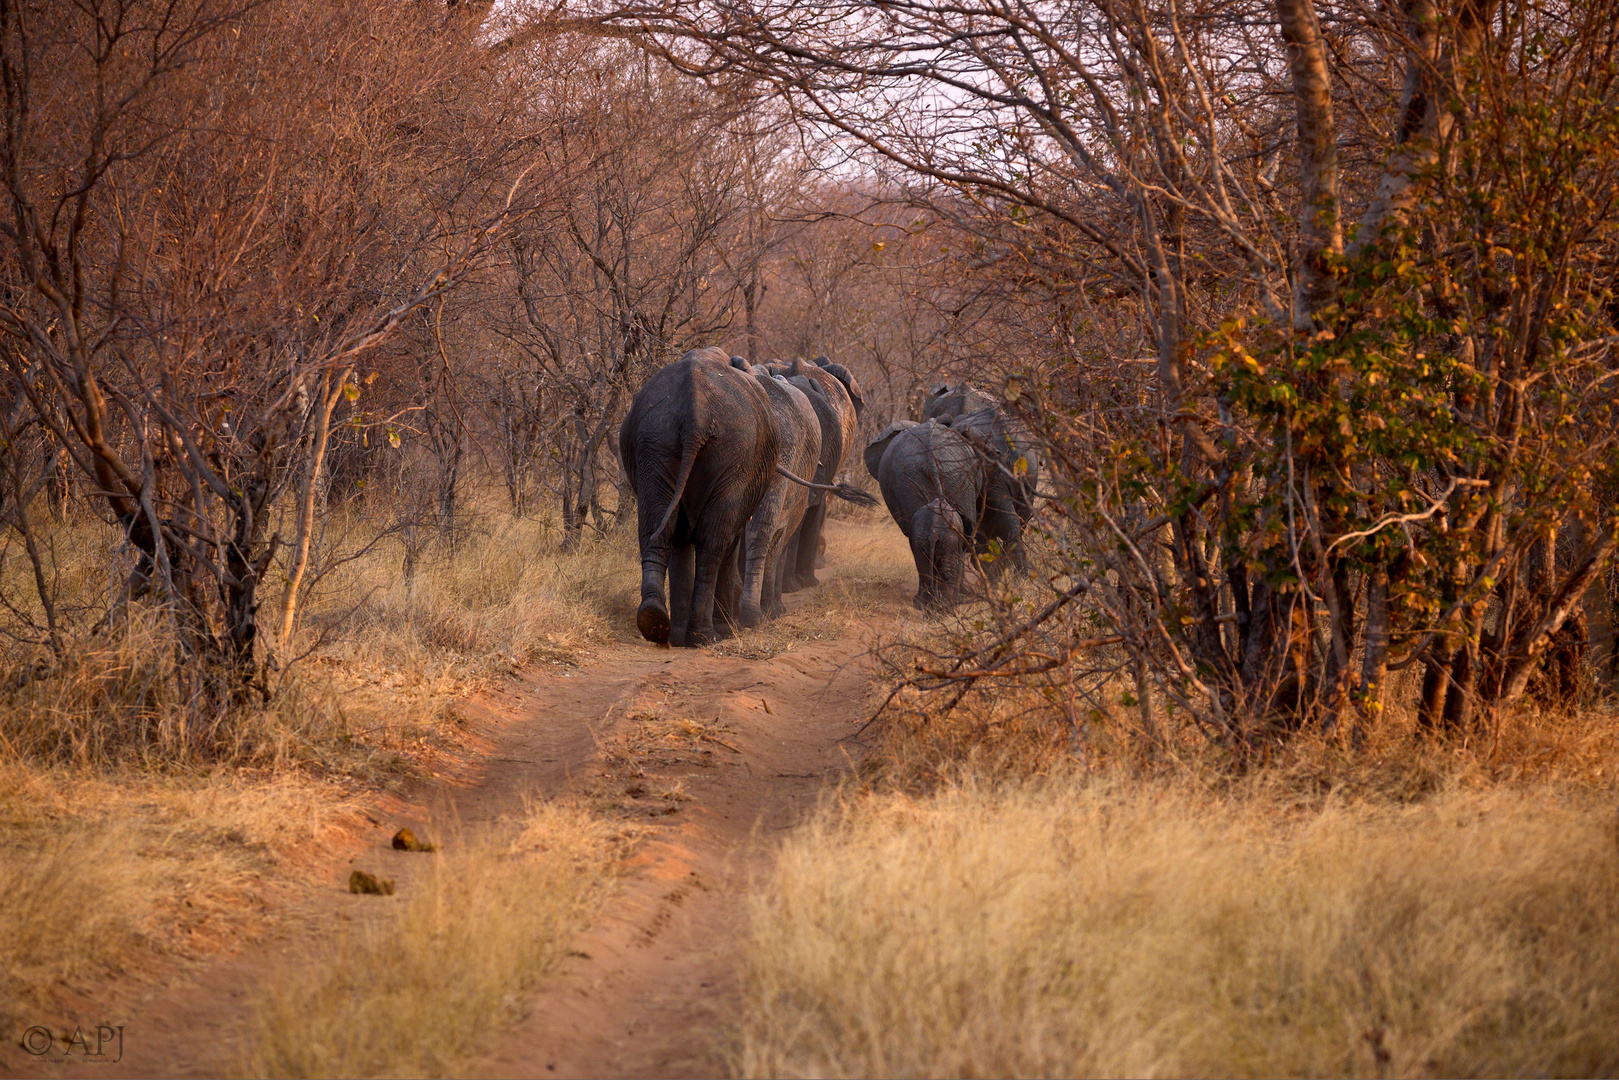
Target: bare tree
x,y
193,272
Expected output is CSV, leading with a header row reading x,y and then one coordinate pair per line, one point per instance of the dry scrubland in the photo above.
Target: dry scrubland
x,y
132,843
132,840
1060,929
985,897
989,898
995,893
415,993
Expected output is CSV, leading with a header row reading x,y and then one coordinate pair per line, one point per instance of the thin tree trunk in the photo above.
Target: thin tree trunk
x,y
331,391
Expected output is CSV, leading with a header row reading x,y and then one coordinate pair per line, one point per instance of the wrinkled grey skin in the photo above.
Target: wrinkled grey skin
x,y
850,383
836,411
781,509
700,447
938,543
932,480
946,401
1009,488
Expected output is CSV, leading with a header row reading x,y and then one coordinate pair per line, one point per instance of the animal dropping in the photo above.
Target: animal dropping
x,y
405,840
364,884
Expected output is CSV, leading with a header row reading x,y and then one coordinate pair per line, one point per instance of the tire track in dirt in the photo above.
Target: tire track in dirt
x,y
654,988
711,756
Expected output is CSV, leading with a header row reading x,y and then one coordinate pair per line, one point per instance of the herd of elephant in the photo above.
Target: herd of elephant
x,y
732,466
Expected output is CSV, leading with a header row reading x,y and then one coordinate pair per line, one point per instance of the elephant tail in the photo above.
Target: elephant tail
x,y
846,492
688,458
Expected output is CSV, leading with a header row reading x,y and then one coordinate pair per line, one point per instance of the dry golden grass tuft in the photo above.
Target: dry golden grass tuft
x,y
1148,929
102,875
417,992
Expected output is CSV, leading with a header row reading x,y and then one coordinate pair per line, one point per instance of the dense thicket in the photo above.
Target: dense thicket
x,y
1311,302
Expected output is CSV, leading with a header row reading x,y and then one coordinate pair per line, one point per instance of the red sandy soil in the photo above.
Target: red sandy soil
x,y
653,987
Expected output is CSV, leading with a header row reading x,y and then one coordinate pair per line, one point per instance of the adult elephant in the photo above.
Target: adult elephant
x,y
781,509
932,480
1011,475
700,448
838,414
850,384
946,402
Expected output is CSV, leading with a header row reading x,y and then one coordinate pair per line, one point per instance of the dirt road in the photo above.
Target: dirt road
x,y
708,754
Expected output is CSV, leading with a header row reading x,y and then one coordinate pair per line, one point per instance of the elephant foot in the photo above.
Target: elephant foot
x,y
751,616
777,609
696,639
653,622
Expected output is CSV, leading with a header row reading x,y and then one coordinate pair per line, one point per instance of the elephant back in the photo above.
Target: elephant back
x,y
930,461
1011,443
946,402
875,449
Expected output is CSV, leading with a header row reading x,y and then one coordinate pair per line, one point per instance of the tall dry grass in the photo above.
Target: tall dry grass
x,y
423,988
380,658
102,876
137,828
1114,929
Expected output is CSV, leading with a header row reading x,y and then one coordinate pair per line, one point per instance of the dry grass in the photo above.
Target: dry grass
x,y
385,658
101,877
138,832
1067,929
869,555
418,992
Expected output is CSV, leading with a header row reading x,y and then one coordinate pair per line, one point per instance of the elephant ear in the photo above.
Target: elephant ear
x,y
846,377
877,447
807,384
823,362
741,365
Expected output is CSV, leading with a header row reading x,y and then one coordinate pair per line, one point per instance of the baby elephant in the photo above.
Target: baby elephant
x,y
933,482
938,543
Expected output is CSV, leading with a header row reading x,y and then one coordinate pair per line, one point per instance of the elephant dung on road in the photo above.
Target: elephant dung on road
x,y
700,447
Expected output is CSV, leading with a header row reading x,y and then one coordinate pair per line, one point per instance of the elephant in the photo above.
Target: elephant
x,y
948,402
938,539
1011,459
781,510
699,445
933,482
1012,471
850,383
835,407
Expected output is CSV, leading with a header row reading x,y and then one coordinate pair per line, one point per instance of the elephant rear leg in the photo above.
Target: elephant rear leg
x,y
775,584
728,593
681,577
770,583
652,618
809,542
789,562
756,580
709,560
